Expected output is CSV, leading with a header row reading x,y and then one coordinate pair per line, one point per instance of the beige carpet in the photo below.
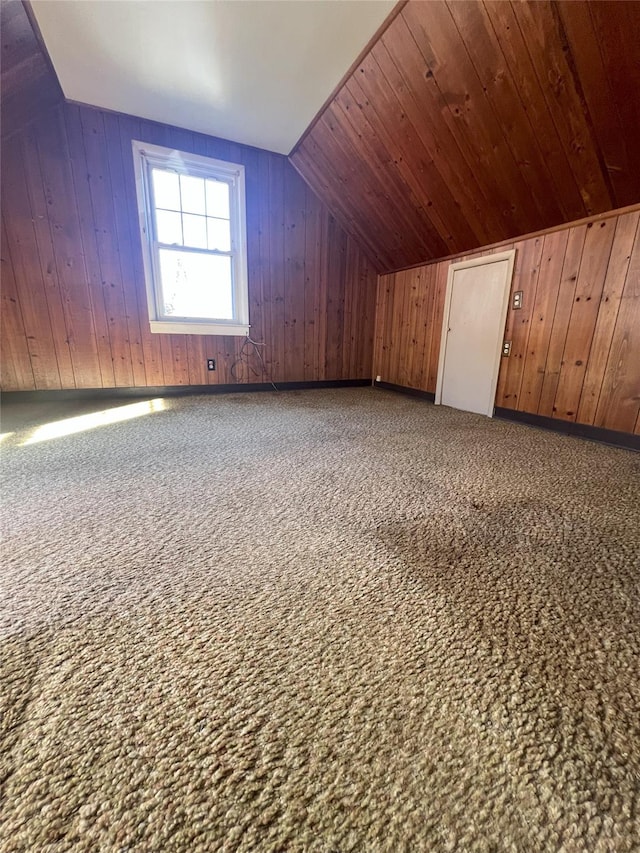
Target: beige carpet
x,y
320,621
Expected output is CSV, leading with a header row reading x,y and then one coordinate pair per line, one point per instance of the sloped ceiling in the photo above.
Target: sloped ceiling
x,y
250,71
467,122
470,122
28,86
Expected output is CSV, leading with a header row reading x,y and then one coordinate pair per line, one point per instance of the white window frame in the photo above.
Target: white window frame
x,y
146,156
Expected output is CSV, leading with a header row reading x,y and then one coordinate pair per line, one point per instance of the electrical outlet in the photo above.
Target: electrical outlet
x,y
517,299
211,364
506,348
378,378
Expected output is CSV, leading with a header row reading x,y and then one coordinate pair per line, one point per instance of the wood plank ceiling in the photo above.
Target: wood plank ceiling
x,y
471,122
28,85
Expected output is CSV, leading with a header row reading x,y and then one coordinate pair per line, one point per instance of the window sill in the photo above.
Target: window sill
x,y
186,328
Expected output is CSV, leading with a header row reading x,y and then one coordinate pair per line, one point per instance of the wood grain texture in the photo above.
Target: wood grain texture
x,y
21,247
575,342
76,312
608,310
617,28
409,325
619,402
541,320
15,360
561,316
518,324
46,240
28,86
562,92
494,75
582,321
469,122
589,36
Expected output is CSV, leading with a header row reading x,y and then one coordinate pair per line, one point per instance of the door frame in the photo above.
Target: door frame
x,y
453,268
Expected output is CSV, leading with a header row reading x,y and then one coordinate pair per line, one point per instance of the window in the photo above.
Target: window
x,y
192,222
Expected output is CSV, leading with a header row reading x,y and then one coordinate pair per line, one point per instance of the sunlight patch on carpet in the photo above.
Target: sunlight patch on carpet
x,y
69,426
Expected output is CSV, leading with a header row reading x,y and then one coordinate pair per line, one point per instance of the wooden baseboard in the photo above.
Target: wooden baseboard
x,y
171,390
605,436
403,389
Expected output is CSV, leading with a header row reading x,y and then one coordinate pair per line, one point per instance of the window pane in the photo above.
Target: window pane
x,y
169,227
218,199
219,234
195,231
166,189
195,285
192,194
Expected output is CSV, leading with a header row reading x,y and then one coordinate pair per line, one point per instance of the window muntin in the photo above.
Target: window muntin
x,y
193,229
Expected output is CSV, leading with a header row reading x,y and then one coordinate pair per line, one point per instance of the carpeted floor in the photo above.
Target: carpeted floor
x,y
320,621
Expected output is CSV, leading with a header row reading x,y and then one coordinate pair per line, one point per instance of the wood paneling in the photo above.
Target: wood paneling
x,y
470,122
74,303
584,313
526,272
619,402
618,284
409,325
600,47
28,86
543,308
21,251
15,362
575,342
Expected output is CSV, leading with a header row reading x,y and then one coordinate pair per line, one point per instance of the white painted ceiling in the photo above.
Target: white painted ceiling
x,y
253,71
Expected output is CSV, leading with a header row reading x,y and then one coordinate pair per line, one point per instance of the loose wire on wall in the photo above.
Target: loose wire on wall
x,y
243,369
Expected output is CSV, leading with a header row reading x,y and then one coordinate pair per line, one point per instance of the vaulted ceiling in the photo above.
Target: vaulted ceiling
x,y
28,84
467,122
252,71
471,122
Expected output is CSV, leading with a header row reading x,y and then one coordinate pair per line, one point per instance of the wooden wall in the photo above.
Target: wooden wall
x,y
575,343
73,297
469,122
27,83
